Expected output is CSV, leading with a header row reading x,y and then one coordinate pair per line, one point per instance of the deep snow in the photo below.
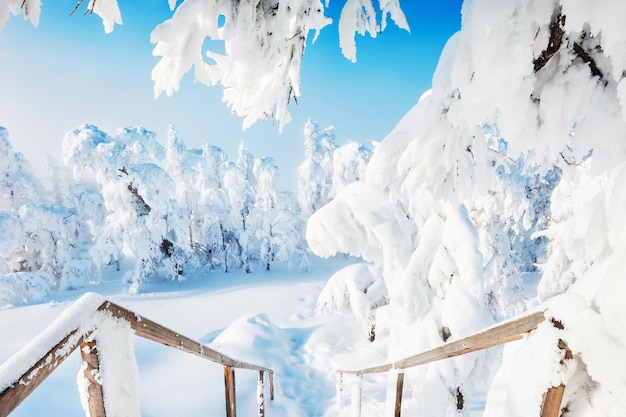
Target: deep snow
x,y
264,318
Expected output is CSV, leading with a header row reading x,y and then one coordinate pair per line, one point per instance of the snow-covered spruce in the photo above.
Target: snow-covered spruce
x,y
327,167
501,187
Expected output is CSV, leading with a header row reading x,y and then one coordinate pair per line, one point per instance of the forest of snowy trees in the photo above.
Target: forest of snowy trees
x,y
165,209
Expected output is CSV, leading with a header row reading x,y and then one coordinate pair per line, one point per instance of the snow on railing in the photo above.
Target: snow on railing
x,y
89,323
501,333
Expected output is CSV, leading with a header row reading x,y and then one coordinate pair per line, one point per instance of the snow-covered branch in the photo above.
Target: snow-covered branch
x,y
253,49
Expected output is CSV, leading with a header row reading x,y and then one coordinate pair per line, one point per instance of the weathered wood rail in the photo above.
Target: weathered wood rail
x,y
13,393
496,335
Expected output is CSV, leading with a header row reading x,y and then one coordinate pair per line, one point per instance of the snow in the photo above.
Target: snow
x,y
26,357
118,373
109,11
269,321
358,288
359,16
502,186
253,49
31,11
500,192
124,198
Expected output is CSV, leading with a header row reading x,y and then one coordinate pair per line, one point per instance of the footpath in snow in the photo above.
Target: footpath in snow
x,y
263,318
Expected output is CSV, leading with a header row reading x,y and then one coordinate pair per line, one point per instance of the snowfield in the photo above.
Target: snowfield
x,y
265,318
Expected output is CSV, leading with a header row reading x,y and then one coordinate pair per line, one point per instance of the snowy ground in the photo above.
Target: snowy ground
x,y
265,318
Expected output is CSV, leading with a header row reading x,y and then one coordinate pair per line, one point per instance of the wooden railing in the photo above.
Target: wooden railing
x,y
65,343
502,333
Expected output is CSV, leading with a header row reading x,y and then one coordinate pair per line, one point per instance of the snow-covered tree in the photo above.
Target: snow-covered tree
x,y
460,197
349,162
142,214
243,199
44,247
263,42
278,230
327,167
17,186
170,209
219,231
316,171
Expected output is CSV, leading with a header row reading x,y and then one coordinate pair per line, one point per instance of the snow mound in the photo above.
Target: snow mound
x,y
256,339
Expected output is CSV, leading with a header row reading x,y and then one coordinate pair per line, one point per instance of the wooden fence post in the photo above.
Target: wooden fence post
x,y
357,393
261,395
91,371
399,391
551,405
339,391
229,386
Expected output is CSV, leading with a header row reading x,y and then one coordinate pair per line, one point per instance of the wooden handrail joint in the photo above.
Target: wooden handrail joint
x,y
498,334
16,391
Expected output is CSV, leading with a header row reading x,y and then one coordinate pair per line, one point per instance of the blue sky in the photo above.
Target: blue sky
x,y
67,72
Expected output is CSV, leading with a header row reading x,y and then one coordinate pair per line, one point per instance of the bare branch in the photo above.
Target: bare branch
x,y
584,55
90,10
75,7
554,44
567,161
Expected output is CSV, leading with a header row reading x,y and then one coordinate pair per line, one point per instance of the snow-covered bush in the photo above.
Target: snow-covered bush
x,y
502,185
358,288
44,247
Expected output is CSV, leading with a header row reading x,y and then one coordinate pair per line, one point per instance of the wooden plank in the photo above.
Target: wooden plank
x,y
229,388
13,396
496,335
551,406
552,399
339,391
91,371
357,395
399,391
151,330
261,395
371,370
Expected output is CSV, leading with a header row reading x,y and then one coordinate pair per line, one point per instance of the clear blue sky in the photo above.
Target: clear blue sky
x,y
67,72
